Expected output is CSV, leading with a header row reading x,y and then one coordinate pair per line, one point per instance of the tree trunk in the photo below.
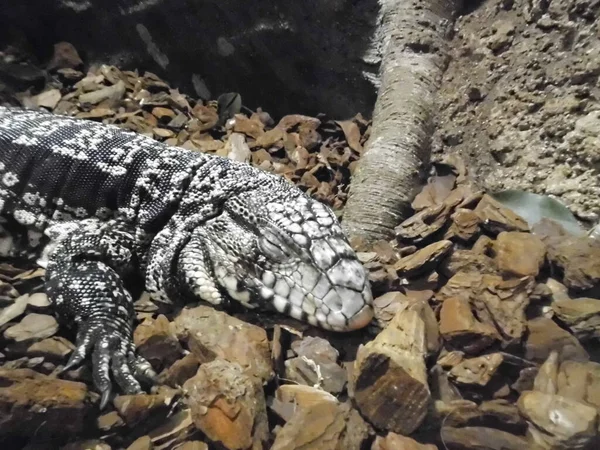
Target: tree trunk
x,y
414,57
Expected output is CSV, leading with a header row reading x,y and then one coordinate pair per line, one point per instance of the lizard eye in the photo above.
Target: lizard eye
x,y
272,248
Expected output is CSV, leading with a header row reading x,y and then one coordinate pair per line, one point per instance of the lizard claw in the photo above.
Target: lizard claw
x,y
113,352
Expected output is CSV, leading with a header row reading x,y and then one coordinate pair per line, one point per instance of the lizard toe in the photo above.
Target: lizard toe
x,y
86,338
121,372
101,369
142,369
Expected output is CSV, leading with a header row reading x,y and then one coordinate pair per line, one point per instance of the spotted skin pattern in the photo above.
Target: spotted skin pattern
x,y
96,205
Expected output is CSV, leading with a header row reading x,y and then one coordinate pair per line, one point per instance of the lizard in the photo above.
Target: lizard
x,y
95,204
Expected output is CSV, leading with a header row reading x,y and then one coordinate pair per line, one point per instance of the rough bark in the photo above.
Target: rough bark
x,y
414,36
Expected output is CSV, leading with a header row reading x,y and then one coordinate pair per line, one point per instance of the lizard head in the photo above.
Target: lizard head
x,y
285,250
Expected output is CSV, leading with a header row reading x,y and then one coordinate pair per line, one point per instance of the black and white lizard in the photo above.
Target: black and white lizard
x,y
96,204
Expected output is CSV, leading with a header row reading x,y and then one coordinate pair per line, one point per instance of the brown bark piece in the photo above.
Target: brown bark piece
x,y
481,438
394,362
578,258
212,334
135,408
497,218
545,335
435,192
576,429
228,406
519,254
181,370
465,225
423,224
460,328
423,260
156,342
467,261
497,302
478,370
581,315
302,395
34,404
393,441
323,426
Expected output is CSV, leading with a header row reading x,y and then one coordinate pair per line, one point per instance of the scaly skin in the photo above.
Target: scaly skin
x,y
95,204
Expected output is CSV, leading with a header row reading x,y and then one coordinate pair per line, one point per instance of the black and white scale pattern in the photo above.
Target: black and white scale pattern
x,y
95,204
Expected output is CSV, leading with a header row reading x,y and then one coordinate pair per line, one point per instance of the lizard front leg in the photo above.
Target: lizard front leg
x,y
84,281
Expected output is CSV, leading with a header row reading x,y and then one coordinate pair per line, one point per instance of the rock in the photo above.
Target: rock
x,y
497,218
48,99
228,405
35,404
33,327
497,302
56,349
581,316
65,57
180,371
394,360
481,438
423,260
578,258
478,370
519,254
461,330
141,443
324,426
393,441
156,341
467,261
211,334
112,93
14,310
576,429
136,408
545,335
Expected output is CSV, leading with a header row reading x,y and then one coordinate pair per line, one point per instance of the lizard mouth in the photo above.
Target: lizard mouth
x,y
309,296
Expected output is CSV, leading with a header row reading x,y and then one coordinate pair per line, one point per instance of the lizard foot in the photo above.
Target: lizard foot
x,y
112,351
